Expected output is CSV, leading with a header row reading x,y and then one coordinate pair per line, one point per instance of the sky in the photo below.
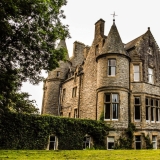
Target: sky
x,y
132,20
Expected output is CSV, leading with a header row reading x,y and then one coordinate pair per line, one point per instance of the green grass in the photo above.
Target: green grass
x,y
80,155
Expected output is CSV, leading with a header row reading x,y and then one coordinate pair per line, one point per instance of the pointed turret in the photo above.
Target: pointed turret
x,y
62,43
113,43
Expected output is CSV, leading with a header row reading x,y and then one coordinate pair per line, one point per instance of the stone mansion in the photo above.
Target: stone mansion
x,y
111,80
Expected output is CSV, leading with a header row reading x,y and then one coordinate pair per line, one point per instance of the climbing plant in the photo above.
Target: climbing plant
x,y
24,131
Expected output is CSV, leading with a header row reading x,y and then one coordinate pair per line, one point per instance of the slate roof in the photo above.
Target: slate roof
x,y
113,43
133,43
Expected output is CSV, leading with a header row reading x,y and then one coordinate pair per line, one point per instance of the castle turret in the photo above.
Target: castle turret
x,y
113,80
51,98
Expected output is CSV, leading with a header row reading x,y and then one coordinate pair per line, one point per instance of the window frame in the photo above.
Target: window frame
x,y
154,141
137,105
75,113
110,139
63,94
85,142
138,141
136,72
152,76
55,142
110,68
111,105
74,92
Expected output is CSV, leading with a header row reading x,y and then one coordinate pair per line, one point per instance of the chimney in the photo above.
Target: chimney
x,y
99,28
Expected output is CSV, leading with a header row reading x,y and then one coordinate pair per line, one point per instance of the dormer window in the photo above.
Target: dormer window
x,y
111,67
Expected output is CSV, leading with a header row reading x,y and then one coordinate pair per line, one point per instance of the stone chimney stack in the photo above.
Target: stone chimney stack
x,y
99,28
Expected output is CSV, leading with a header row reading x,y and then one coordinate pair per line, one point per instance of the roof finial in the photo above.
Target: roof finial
x,y
114,16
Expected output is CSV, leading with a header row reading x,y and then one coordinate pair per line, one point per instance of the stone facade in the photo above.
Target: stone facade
x,y
110,80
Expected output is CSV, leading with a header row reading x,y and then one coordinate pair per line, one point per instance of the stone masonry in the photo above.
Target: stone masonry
x,y
109,80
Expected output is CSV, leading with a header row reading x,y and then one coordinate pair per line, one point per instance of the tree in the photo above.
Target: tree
x,y
28,32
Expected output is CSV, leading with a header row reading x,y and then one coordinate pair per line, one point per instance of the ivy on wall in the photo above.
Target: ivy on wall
x,y
23,131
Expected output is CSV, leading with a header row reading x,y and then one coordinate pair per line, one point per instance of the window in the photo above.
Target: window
x,y
137,108
63,94
53,142
69,114
137,142
97,50
86,142
136,73
74,91
75,113
58,73
147,110
111,67
111,106
152,110
150,76
110,142
154,142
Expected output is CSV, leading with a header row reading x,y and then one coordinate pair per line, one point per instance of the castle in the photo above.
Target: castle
x,y
110,80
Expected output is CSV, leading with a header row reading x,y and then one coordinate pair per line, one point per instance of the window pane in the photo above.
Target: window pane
x,y
52,146
115,111
112,62
137,112
111,71
110,145
107,98
150,71
156,103
138,138
136,76
151,102
136,68
157,114
52,138
114,97
147,101
137,100
147,113
138,145
107,111
152,114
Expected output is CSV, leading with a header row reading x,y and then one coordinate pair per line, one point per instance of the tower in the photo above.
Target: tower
x,y
52,86
113,80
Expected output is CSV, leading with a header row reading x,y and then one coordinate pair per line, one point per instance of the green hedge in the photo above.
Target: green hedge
x,y
22,131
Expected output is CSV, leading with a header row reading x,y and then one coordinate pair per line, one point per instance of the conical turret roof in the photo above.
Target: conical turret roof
x,y
113,43
62,43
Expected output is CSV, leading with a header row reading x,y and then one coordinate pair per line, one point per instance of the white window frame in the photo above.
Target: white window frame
x,y
150,76
55,142
154,141
86,142
136,73
110,67
138,141
111,103
110,139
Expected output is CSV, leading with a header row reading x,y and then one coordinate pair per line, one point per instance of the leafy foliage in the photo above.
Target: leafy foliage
x,y
148,141
125,142
28,32
23,131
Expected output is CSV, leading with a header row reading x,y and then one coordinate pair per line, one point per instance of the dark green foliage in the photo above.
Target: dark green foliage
x,y
22,131
148,141
125,141
29,30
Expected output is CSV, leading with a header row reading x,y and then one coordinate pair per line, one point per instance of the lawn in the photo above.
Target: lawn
x,y
80,155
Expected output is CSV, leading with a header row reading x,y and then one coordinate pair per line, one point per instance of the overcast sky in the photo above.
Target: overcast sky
x,y
132,20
